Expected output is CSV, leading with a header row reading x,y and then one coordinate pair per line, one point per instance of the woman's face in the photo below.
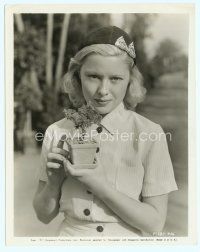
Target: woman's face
x,y
104,81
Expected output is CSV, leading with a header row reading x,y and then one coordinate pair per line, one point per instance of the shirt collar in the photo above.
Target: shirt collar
x,y
114,121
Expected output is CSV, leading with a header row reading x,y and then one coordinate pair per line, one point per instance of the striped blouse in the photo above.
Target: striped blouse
x,y
133,152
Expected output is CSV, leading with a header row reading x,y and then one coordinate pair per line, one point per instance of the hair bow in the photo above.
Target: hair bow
x,y
121,43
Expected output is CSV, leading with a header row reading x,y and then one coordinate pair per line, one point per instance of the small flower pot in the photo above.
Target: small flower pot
x,y
83,153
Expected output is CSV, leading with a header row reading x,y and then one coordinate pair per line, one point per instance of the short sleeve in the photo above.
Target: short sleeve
x,y
158,170
46,147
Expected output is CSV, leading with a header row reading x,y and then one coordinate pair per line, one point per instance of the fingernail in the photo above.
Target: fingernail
x,y
63,137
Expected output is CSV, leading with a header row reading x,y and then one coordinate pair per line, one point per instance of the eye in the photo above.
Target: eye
x,y
93,76
116,78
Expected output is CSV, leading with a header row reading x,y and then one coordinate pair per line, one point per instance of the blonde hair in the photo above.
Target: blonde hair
x,y
71,82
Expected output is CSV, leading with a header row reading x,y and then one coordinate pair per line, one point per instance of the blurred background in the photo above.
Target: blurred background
x,y
43,46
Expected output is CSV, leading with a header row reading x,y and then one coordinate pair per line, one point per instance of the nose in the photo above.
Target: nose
x,y
104,87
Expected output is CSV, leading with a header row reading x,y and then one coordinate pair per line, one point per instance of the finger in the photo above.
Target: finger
x,y
51,165
56,157
60,151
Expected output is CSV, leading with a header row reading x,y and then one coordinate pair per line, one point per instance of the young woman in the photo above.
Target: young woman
x,y
127,193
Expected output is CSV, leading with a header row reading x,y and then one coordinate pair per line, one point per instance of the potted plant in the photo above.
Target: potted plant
x,y
82,148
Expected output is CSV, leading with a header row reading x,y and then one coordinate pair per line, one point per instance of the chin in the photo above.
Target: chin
x,y
104,109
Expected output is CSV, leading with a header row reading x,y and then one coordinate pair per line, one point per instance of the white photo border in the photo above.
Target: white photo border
x,y
92,8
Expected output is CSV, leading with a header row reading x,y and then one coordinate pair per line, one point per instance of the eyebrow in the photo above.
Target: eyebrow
x,y
92,72
96,73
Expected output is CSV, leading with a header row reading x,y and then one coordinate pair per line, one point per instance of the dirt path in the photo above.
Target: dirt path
x,y
26,222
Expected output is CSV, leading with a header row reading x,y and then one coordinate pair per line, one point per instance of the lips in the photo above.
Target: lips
x,y
102,101
99,100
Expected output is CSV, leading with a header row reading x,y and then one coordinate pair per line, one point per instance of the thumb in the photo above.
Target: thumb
x,y
61,142
69,169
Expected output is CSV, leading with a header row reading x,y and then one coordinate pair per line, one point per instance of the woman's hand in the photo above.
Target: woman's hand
x,y
46,200
55,169
95,178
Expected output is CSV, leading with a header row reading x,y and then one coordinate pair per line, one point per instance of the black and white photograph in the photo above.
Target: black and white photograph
x,y
99,123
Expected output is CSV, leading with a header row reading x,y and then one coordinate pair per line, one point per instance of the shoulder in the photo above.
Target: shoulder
x,y
143,124
149,136
55,131
63,124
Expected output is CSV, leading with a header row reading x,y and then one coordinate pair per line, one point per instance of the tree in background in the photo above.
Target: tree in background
x,y
50,107
62,47
137,25
28,63
169,58
49,63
